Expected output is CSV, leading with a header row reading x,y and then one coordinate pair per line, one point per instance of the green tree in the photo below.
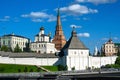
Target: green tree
x,y
117,60
17,49
98,53
4,48
27,47
61,67
118,53
73,68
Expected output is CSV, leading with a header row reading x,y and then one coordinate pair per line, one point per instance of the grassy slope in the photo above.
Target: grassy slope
x,y
14,68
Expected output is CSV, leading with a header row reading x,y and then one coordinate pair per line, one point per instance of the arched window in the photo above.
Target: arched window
x,y
39,52
50,51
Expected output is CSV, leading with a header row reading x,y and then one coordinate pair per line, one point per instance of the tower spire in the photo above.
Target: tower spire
x,y
58,11
58,18
110,39
59,38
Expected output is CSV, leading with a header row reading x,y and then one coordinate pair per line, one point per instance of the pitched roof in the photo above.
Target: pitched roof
x,y
26,55
15,36
74,42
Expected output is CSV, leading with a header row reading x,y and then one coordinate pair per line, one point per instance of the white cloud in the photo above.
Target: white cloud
x,y
115,38
16,19
52,18
86,18
96,1
39,16
36,20
83,35
25,15
105,39
75,26
77,9
5,18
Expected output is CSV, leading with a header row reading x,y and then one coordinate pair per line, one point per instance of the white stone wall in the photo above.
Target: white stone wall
x,y
80,60
79,63
30,61
96,62
82,63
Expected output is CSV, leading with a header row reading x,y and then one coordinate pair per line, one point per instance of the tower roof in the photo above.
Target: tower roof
x,y
58,18
74,42
59,38
109,41
58,12
42,28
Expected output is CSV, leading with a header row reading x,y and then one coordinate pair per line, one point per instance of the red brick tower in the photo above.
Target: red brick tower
x,y
59,38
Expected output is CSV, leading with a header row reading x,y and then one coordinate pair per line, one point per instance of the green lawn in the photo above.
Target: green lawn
x,y
51,68
14,68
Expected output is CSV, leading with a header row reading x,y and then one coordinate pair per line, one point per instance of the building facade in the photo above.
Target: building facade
x,y
76,55
12,40
110,48
59,38
74,51
42,43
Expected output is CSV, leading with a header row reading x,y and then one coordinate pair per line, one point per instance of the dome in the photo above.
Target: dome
x,y
42,28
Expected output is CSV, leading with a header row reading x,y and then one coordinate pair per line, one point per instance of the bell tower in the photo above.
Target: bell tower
x,y
59,38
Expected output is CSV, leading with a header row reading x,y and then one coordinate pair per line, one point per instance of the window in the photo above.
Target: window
x,y
50,51
109,50
3,42
109,46
39,52
106,50
74,52
81,52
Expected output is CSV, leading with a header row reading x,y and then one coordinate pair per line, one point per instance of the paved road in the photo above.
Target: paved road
x,y
67,75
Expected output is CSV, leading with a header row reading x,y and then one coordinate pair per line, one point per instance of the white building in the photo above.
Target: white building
x,y
74,51
12,40
76,55
42,43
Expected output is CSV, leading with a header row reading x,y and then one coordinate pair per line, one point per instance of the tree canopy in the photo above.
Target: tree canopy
x,y
17,49
4,48
117,60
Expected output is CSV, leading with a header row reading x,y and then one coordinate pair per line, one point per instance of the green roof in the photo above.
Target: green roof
x,y
117,44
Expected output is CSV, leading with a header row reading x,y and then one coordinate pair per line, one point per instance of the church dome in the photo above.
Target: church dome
x,y
42,28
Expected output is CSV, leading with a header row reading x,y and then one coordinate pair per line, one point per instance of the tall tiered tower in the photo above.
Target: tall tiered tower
x,y
59,38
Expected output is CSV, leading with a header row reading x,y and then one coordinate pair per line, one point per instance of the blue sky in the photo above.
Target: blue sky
x,y
94,19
